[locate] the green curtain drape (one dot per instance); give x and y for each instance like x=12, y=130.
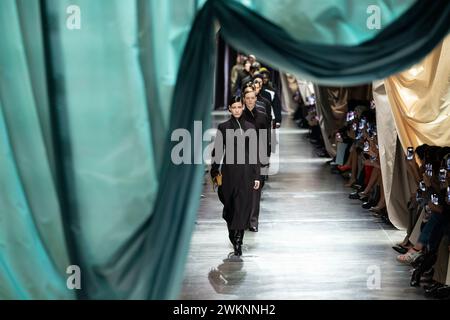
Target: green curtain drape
x=396, y=47
x=86, y=117
x=328, y=22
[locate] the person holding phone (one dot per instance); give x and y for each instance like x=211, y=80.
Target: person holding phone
x=235, y=158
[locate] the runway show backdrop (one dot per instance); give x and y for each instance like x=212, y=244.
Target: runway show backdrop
x=86, y=118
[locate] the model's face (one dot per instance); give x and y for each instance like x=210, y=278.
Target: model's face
x=250, y=99
x=236, y=109
x=257, y=84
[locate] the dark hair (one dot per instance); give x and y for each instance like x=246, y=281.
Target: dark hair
x=245, y=91
x=234, y=99
x=421, y=150
x=432, y=154
x=443, y=151
x=258, y=75
x=245, y=85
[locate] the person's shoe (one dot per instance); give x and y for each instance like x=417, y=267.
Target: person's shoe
x=407, y=245
x=400, y=249
x=253, y=229
x=430, y=290
x=344, y=168
x=364, y=199
x=415, y=278
x=442, y=293
x=346, y=175
x=356, y=186
x=367, y=205
x=375, y=209
x=354, y=195
x=409, y=257
x=362, y=194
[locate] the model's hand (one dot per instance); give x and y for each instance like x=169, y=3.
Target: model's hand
x=256, y=186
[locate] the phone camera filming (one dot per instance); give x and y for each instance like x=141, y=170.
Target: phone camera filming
x=350, y=116
x=434, y=199
x=429, y=169
x=366, y=146
x=419, y=197
x=362, y=123
x=410, y=153
x=442, y=175
x=422, y=186
x=448, y=194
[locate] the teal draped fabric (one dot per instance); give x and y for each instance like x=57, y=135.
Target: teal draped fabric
x=328, y=22
x=396, y=47
x=86, y=118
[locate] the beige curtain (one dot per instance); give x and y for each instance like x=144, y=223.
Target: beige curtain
x=331, y=105
x=420, y=100
x=288, y=88
x=412, y=108
x=392, y=162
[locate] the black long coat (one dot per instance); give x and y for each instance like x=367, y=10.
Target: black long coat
x=260, y=120
x=238, y=179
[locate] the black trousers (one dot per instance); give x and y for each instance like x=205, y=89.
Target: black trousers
x=256, y=199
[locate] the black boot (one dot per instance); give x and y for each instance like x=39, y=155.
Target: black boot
x=238, y=239
x=431, y=290
x=442, y=293
x=231, y=236
x=427, y=263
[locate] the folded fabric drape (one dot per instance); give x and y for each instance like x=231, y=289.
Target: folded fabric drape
x=335, y=22
x=86, y=171
x=392, y=50
x=396, y=182
x=420, y=100
x=413, y=108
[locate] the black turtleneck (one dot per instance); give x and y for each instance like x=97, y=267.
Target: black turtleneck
x=256, y=117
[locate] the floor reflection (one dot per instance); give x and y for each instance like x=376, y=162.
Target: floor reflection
x=228, y=276
x=313, y=242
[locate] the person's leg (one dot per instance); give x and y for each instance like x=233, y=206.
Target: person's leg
x=348, y=163
x=440, y=269
x=353, y=164
x=372, y=180
x=427, y=232
x=254, y=217
x=381, y=203
x=231, y=234
x=437, y=232
x=238, y=240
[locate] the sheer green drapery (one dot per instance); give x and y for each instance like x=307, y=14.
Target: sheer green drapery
x=329, y=22
x=86, y=173
x=33, y=253
x=396, y=47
